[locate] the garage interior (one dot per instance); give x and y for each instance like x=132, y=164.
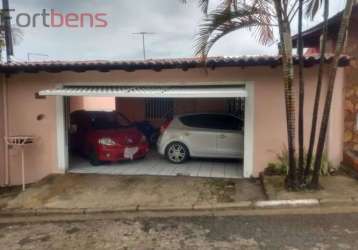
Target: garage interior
x=145, y=105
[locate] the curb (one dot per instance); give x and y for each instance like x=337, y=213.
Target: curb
x=338, y=202
x=133, y=209
x=244, y=205
x=287, y=203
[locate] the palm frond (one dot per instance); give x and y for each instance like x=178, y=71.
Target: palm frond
x=17, y=35
x=222, y=21
x=204, y=4
x=312, y=8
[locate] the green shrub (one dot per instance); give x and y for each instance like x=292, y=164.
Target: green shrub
x=280, y=165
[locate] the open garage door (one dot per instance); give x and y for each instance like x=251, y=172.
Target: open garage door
x=184, y=97
x=148, y=92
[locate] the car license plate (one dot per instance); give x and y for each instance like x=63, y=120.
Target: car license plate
x=130, y=152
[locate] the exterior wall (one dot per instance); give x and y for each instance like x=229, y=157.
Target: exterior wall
x=351, y=111
x=23, y=109
x=133, y=109
x=92, y=103
x=269, y=116
x=270, y=124
x=77, y=103
x=336, y=128
x=351, y=92
x=2, y=134
x=183, y=106
x=350, y=87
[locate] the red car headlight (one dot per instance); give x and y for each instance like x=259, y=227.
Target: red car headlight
x=106, y=141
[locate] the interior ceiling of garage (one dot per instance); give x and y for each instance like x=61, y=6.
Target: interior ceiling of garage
x=148, y=92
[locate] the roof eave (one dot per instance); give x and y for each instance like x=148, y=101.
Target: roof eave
x=158, y=65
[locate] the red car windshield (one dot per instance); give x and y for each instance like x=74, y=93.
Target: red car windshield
x=101, y=124
x=108, y=121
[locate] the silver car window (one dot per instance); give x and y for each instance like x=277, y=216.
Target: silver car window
x=212, y=121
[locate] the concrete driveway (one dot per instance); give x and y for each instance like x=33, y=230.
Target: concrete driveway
x=155, y=165
x=76, y=191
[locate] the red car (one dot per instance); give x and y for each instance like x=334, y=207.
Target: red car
x=100, y=137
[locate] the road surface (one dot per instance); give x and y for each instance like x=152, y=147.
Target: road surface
x=319, y=232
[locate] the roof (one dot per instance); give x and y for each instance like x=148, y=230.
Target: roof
x=156, y=64
x=312, y=35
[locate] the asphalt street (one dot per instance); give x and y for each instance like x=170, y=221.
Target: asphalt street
x=305, y=231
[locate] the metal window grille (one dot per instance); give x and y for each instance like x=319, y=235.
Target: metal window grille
x=236, y=106
x=159, y=108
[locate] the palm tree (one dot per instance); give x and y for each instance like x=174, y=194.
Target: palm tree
x=283, y=19
x=301, y=95
x=340, y=45
x=260, y=16
x=17, y=36
x=311, y=12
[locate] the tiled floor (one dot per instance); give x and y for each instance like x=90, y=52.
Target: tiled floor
x=154, y=164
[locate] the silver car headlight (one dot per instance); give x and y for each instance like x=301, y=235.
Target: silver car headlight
x=106, y=141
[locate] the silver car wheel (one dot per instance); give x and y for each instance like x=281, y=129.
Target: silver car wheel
x=177, y=153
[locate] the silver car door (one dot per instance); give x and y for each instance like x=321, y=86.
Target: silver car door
x=230, y=138
x=200, y=137
x=202, y=141
x=230, y=144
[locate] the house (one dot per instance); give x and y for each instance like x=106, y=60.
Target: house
x=312, y=43
x=35, y=99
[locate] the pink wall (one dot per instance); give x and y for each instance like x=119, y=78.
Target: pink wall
x=23, y=110
x=269, y=134
x=336, y=128
x=93, y=103
x=2, y=146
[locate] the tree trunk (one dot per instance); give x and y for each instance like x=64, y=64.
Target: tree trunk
x=318, y=92
x=301, y=97
x=288, y=73
x=342, y=35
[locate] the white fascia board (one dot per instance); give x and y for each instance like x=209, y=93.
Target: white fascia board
x=157, y=92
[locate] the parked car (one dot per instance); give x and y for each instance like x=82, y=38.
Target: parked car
x=100, y=137
x=149, y=131
x=201, y=135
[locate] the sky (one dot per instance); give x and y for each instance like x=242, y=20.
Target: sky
x=173, y=23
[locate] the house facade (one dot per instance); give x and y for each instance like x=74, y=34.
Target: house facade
x=34, y=99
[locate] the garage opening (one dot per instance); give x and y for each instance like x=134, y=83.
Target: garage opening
x=171, y=131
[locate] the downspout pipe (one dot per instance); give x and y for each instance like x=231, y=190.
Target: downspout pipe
x=6, y=131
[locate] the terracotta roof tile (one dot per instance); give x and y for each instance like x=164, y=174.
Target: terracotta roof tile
x=156, y=64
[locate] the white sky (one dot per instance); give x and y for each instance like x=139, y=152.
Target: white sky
x=175, y=26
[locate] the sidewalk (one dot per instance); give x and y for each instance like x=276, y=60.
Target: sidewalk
x=89, y=194
x=337, y=190
x=94, y=192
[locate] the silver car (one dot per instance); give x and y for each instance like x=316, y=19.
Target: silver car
x=204, y=135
